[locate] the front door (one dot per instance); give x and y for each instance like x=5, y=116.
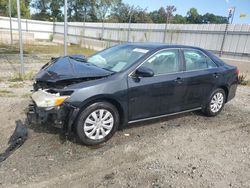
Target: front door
x=161, y=94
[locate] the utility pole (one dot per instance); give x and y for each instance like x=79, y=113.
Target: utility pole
x=65, y=26
x=11, y=34
x=102, y=29
x=20, y=37
x=230, y=15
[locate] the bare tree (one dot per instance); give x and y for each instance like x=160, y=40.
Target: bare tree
x=169, y=13
x=169, y=16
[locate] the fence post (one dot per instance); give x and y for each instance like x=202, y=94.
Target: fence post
x=102, y=30
x=84, y=24
x=20, y=36
x=65, y=26
x=54, y=26
x=26, y=25
x=11, y=34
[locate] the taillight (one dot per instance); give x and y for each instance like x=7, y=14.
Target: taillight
x=237, y=71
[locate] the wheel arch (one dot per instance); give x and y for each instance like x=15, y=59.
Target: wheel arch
x=121, y=110
x=226, y=90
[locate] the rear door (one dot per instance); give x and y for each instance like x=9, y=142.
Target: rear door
x=201, y=76
x=163, y=93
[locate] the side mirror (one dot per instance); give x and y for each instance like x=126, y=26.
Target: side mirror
x=144, y=72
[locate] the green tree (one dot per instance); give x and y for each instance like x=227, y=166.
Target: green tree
x=42, y=9
x=79, y=10
x=103, y=7
x=193, y=16
x=3, y=7
x=48, y=10
x=120, y=13
x=141, y=16
x=24, y=7
x=179, y=19
x=55, y=9
x=211, y=18
x=158, y=16
x=106, y=10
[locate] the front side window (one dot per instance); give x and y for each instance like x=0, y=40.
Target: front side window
x=196, y=60
x=163, y=62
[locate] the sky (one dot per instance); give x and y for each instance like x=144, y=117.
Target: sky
x=217, y=7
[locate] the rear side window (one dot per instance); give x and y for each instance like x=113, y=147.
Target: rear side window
x=196, y=60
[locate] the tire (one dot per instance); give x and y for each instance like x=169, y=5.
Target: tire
x=92, y=129
x=215, y=103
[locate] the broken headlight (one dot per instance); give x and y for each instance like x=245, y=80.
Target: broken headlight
x=47, y=98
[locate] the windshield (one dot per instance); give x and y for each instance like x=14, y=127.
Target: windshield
x=117, y=58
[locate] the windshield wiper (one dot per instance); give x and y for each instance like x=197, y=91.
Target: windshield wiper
x=108, y=70
x=79, y=58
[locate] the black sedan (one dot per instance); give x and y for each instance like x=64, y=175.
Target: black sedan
x=129, y=83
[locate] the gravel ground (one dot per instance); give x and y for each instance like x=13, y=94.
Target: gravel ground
x=188, y=150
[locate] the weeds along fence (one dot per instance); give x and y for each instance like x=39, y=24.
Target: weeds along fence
x=232, y=40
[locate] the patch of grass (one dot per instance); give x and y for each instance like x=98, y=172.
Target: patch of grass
x=45, y=49
x=7, y=49
x=51, y=36
x=3, y=91
x=16, y=85
x=16, y=77
x=26, y=95
x=242, y=80
x=6, y=93
x=76, y=49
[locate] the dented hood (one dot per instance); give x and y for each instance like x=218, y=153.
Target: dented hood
x=69, y=67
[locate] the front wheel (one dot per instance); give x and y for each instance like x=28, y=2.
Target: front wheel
x=215, y=103
x=97, y=123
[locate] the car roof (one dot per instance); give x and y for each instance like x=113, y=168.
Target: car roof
x=155, y=46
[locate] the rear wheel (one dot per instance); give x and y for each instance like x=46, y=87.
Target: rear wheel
x=97, y=123
x=215, y=103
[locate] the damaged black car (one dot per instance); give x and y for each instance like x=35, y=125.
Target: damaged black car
x=128, y=83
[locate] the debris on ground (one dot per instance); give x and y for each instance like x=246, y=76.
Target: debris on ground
x=16, y=140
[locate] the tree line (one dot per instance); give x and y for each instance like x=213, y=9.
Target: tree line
x=105, y=11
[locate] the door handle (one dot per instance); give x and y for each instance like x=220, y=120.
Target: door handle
x=216, y=75
x=178, y=80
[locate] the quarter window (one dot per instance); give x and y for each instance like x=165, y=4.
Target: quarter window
x=166, y=61
x=196, y=60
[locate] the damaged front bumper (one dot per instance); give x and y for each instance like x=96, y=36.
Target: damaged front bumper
x=55, y=116
x=60, y=116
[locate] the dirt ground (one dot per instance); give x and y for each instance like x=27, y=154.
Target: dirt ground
x=188, y=150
